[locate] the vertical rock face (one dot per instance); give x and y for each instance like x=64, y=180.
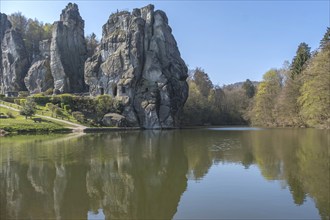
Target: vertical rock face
x=39, y=77
x=68, y=51
x=140, y=64
x=14, y=59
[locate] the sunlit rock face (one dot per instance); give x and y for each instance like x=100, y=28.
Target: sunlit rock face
x=39, y=77
x=139, y=63
x=68, y=51
x=14, y=59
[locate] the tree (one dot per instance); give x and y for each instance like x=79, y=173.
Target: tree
x=91, y=43
x=18, y=21
x=298, y=63
x=263, y=112
x=249, y=88
x=202, y=81
x=29, y=108
x=315, y=91
x=32, y=31
x=325, y=42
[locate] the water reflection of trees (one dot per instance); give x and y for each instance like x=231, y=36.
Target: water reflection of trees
x=297, y=156
x=143, y=174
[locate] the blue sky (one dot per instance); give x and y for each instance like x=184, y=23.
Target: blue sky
x=230, y=40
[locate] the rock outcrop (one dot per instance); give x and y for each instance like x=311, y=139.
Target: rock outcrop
x=14, y=59
x=68, y=51
x=114, y=120
x=39, y=77
x=140, y=64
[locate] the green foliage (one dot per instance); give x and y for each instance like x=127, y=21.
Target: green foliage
x=325, y=42
x=59, y=112
x=22, y=101
x=67, y=108
x=265, y=100
x=40, y=99
x=23, y=94
x=17, y=101
x=29, y=108
x=91, y=43
x=315, y=91
x=202, y=81
x=32, y=31
x=2, y=96
x=249, y=88
x=79, y=116
x=302, y=56
x=55, y=99
x=10, y=114
x=66, y=99
x=104, y=104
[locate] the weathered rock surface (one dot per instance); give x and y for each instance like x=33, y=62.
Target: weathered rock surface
x=14, y=59
x=114, y=120
x=139, y=63
x=39, y=77
x=68, y=51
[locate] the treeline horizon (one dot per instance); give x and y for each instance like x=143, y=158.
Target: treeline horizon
x=295, y=95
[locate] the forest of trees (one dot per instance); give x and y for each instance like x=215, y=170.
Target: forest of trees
x=296, y=95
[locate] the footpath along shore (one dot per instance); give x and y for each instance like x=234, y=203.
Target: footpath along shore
x=78, y=127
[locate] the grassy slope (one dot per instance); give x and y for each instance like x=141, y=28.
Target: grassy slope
x=20, y=124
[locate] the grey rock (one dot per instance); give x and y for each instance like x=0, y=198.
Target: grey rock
x=68, y=51
x=39, y=77
x=14, y=59
x=114, y=120
x=139, y=63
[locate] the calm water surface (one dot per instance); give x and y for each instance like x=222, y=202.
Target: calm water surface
x=184, y=174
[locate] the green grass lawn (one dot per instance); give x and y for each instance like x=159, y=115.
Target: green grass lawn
x=21, y=124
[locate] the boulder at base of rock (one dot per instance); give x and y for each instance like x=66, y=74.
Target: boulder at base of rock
x=114, y=120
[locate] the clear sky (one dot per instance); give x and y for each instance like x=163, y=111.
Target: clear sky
x=230, y=40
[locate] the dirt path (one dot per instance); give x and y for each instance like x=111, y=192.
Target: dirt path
x=75, y=127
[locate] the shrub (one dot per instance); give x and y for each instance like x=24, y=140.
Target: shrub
x=83, y=104
x=59, y=112
x=40, y=99
x=17, y=101
x=49, y=105
x=29, y=108
x=55, y=99
x=10, y=114
x=49, y=91
x=62, y=105
x=66, y=99
x=22, y=101
x=2, y=96
x=78, y=116
x=67, y=108
x=23, y=94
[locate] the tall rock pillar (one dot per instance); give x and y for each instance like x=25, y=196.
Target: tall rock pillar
x=68, y=51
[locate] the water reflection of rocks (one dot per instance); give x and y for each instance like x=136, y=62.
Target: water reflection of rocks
x=143, y=174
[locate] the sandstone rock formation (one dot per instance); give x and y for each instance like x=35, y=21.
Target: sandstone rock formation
x=140, y=64
x=14, y=59
x=39, y=77
x=68, y=51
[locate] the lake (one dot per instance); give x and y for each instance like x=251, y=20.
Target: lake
x=241, y=173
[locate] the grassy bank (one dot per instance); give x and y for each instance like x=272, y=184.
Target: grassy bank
x=19, y=124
